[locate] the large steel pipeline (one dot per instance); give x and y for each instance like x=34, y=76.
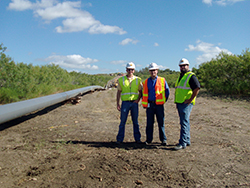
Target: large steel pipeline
x=14, y=110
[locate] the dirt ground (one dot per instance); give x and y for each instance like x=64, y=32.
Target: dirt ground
x=74, y=146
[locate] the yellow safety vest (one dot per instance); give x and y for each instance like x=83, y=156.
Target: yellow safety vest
x=130, y=91
x=183, y=90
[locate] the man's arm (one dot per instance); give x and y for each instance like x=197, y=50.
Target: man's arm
x=167, y=91
x=139, y=97
x=195, y=86
x=140, y=93
x=195, y=93
x=118, y=96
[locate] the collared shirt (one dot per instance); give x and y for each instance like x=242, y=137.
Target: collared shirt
x=151, y=89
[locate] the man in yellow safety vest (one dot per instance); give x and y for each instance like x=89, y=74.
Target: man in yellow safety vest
x=129, y=90
x=187, y=88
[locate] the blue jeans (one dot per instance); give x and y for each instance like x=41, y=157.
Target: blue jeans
x=151, y=111
x=184, y=111
x=125, y=108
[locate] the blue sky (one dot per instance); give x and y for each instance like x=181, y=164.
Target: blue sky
x=101, y=36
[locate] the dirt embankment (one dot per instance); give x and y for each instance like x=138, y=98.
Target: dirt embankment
x=73, y=146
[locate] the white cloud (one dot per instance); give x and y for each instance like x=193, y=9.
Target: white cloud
x=77, y=24
x=221, y=2
x=75, y=19
x=209, y=2
x=161, y=67
x=100, y=28
x=209, y=51
x=227, y=2
x=127, y=41
x=72, y=61
x=156, y=44
x=61, y=10
x=20, y=5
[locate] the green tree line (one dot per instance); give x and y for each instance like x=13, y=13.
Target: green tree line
x=20, y=81
x=226, y=74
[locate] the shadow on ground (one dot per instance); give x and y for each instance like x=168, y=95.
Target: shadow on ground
x=124, y=145
x=24, y=118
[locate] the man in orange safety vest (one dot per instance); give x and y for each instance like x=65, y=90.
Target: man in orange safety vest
x=155, y=94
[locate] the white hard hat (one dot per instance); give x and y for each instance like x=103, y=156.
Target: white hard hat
x=153, y=66
x=130, y=65
x=183, y=61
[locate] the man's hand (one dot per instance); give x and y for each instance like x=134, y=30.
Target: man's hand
x=188, y=101
x=118, y=107
x=136, y=101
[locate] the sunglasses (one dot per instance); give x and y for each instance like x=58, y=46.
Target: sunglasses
x=182, y=65
x=130, y=69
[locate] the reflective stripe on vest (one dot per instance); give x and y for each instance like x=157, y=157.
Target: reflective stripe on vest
x=145, y=94
x=129, y=90
x=182, y=89
x=159, y=92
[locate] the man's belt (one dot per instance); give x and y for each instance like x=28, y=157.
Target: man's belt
x=149, y=101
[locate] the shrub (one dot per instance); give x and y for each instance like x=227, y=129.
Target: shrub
x=226, y=74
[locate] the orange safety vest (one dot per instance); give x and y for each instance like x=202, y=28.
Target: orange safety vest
x=159, y=92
